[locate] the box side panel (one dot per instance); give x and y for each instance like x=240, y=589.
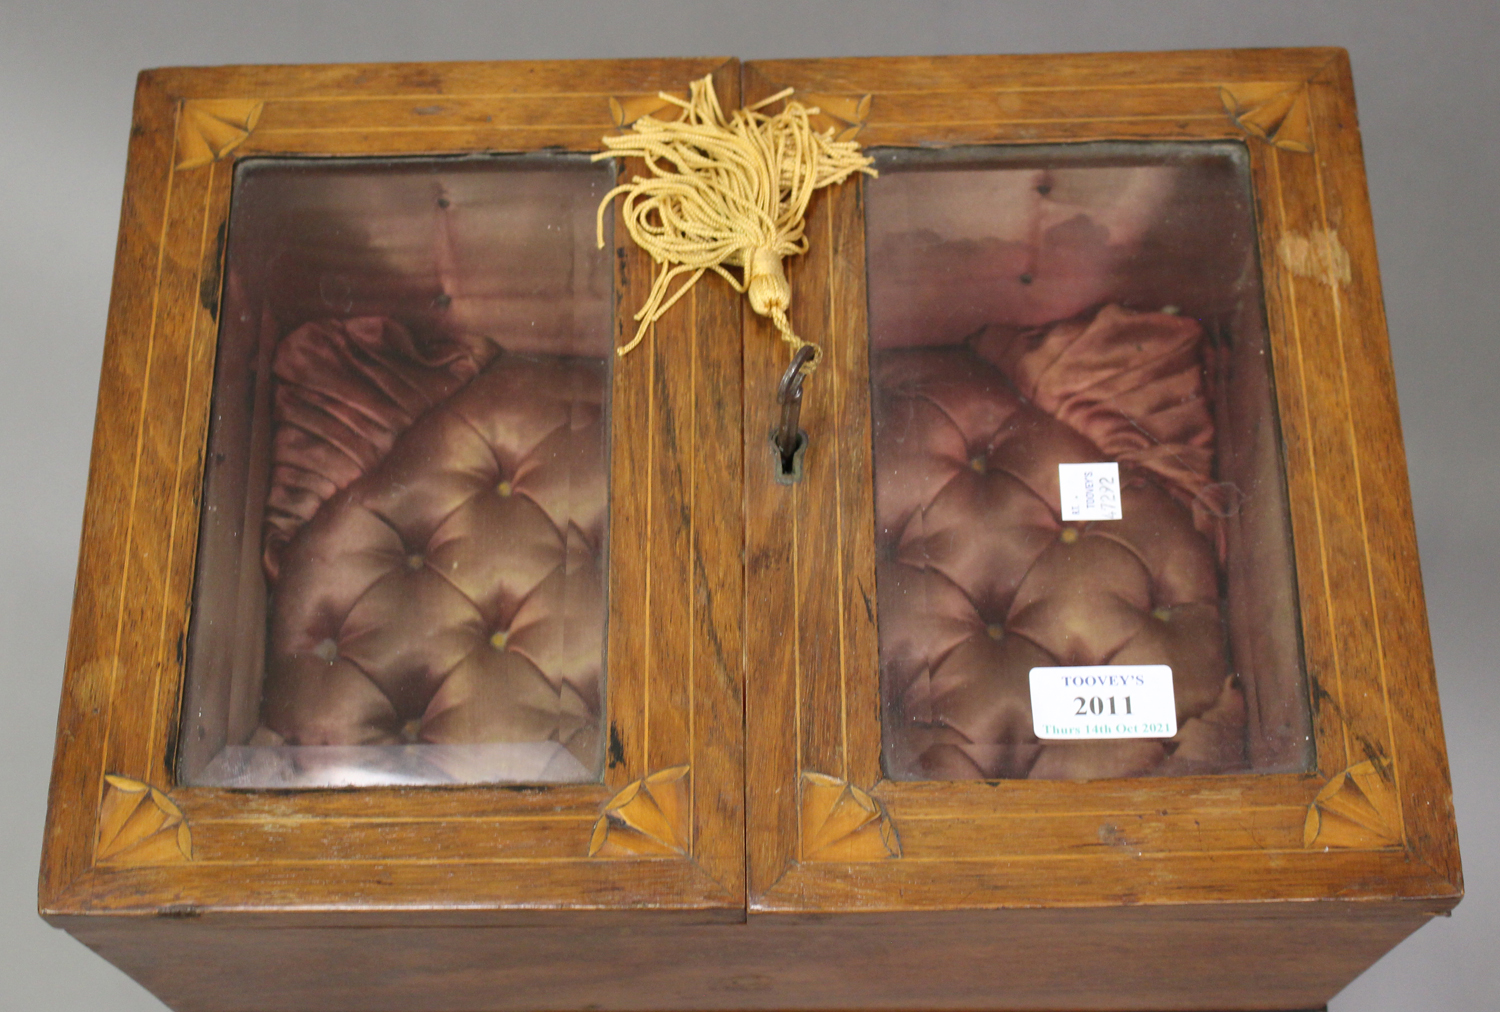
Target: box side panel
x=1288, y=956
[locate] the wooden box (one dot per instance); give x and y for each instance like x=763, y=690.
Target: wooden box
x=740, y=792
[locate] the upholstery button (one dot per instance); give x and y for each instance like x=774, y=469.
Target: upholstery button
x=1025, y=279
x=423, y=562
x=970, y=559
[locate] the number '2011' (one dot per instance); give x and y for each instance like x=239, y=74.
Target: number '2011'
x=1098, y=706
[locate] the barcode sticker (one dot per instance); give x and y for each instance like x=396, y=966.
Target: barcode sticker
x=1103, y=701
x=1090, y=491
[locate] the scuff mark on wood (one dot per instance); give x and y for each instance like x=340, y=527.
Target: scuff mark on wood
x=1319, y=256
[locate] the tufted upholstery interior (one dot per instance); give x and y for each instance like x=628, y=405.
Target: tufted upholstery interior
x=979, y=580
x=999, y=280
x=501, y=248
x=453, y=593
x=960, y=248
x=393, y=306
x=345, y=389
x=400, y=341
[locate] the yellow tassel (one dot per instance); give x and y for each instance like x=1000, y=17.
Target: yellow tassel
x=726, y=193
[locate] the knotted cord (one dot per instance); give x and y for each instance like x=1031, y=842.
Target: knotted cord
x=726, y=193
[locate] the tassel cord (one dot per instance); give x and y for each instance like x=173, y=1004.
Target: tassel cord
x=722, y=194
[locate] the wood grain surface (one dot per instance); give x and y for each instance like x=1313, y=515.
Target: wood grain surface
x=742, y=640
x=1363, y=626
x=675, y=598
x=1140, y=958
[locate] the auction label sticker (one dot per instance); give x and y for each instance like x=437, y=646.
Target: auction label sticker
x=1090, y=491
x=1103, y=701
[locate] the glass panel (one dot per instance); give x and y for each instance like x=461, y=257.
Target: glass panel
x=1098, y=304
x=401, y=566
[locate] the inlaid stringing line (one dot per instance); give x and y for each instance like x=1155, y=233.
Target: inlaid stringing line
x=1290, y=284
x=140, y=439
x=1335, y=293
x=838, y=346
x=187, y=386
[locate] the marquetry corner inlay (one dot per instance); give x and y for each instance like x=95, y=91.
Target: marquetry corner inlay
x=625, y=111
x=138, y=824
x=840, y=822
x=845, y=115
x=1357, y=808
x=649, y=818
x=210, y=128
x=1277, y=113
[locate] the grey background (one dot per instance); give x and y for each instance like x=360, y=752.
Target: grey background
x=1428, y=87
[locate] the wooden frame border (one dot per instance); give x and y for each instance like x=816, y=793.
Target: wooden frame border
x=811, y=634
x=675, y=590
x=927, y=845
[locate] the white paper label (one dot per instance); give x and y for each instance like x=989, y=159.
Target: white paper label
x=1090, y=491
x=1103, y=701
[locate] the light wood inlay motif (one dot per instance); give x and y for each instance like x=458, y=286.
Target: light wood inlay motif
x=138, y=824
x=1357, y=808
x=844, y=114
x=1276, y=113
x=840, y=822
x=210, y=128
x=625, y=111
x=649, y=817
